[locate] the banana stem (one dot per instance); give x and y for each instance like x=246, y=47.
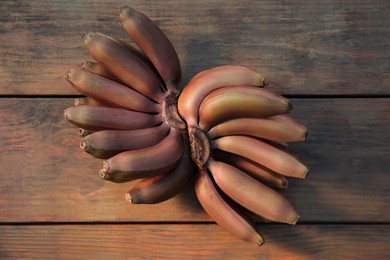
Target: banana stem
x=169, y=110
x=170, y=86
x=200, y=146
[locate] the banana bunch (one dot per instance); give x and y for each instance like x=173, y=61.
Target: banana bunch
x=238, y=133
x=129, y=116
x=148, y=133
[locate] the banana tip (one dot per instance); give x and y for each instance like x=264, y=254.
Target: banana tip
x=84, y=35
x=84, y=64
x=105, y=167
x=260, y=242
x=83, y=144
x=124, y=8
x=81, y=132
x=305, y=135
x=69, y=74
x=305, y=173
x=285, y=184
x=87, y=36
x=66, y=113
x=102, y=174
x=259, y=239
x=290, y=106
x=128, y=198
x=77, y=102
x=125, y=11
x=295, y=220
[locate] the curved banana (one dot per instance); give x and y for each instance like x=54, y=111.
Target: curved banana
x=239, y=101
x=100, y=118
x=253, y=169
x=251, y=194
x=108, y=91
x=154, y=43
x=124, y=64
x=160, y=188
x=147, y=162
x=276, y=128
x=209, y=80
x=107, y=143
x=98, y=69
x=136, y=51
x=262, y=153
x=223, y=212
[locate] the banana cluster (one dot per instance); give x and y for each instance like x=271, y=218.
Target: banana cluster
x=128, y=115
x=224, y=122
x=238, y=131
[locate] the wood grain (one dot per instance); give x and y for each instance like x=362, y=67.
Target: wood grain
x=332, y=47
x=46, y=177
x=189, y=242
x=53, y=205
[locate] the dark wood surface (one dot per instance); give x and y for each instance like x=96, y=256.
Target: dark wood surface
x=302, y=47
x=331, y=59
x=184, y=241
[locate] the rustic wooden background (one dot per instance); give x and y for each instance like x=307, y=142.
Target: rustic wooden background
x=331, y=58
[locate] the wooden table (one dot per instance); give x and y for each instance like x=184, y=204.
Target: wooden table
x=331, y=59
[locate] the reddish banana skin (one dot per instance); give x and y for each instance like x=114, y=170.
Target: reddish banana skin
x=253, y=169
x=262, y=153
x=161, y=188
x=154, y=43
x=269, y=94
x=289, y=120
x=98, y=69
x=102, y=118
x=252, y=194
x=111, y=92
x=155, y=160
x=139, y=54
x=209, y=80
x=107, y=143
x=233, y=102
x=276, y=129
x=224, y=213
x=124, y=64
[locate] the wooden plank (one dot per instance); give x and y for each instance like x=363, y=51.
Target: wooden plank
x=193, y=242
x=46, y=177
x=332, y=47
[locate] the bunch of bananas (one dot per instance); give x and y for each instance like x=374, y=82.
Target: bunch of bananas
x=224, y=122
